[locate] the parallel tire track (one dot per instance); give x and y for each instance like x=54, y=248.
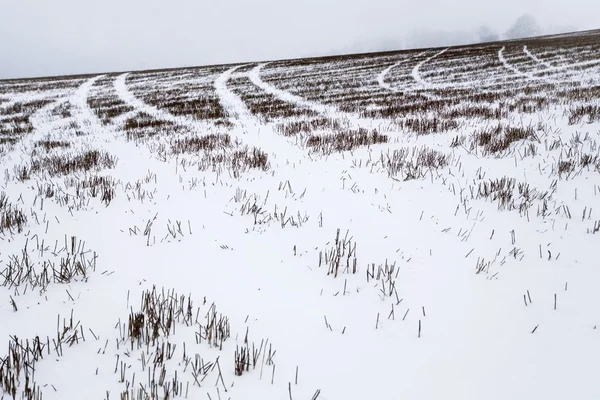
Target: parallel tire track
x=416, y=74
x=244, y=130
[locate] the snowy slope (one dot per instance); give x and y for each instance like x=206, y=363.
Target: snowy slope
x=411, y=225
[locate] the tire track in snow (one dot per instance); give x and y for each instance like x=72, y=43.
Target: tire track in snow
x=231, y=102
x=383, y=74
x=381, y=78
x=564, y=67
x=79, y=100
x=417, y=75
x=250, y=135
x=286, y=96
x=472, y=84
x=536, y=59
x=250, y=126
x=517, y=71
x=320, y=108
x=329, y=173
x=433, y=86
x=140, y=106
x=133, y=160
x=43, y=125
x=552, y=68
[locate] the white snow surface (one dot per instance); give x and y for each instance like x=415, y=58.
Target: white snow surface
x=524, y=328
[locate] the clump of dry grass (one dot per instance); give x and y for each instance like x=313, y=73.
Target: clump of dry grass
x=344, y=141
x=12, y=218
x=26, y=108
x=413, y=164
x=236, y=162
x=577, y=114
x=8, y=141
x=427, y=126
x=246, y=356
x=200, y=143
x=340, y=256
x=263, y=105
x=94, y=186
x=80, y=189
x=160, y=313
x=576, y=160
x=17, y=368
x=18, y=124
x=64, y=164
x=500, y=190
x=72, y=263
x=510, y=194
x=108, y=106
x=565, y=167
x=294, y=128
x=458, y=141
x=249, y=159
x=50, y=145
x=144, y=121
x=476, y=111
x=143, y=125
x=146, y=337
x=497, y=139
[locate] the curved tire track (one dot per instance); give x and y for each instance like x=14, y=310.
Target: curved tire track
x=417, y=75
x=248, y=128
x=286, y=96
x=231, y=102
x=248, y=134
x=44, y=123
x=130, y=99
x=517, y=71
x=432, y=86
x=536, y=59
x=383, y=74
x=580, y=75
x=79, y=100
x=320, y=108
x=381, y=78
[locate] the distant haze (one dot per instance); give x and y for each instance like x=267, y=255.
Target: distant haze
x=42, y=38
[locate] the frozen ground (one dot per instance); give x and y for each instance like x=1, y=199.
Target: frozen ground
x=412, y=225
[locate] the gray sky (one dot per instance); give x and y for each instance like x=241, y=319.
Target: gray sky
x=42, y=37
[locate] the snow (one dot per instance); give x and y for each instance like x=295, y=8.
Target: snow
x=442, y=330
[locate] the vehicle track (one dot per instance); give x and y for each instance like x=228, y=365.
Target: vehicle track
x=381, y=77
x=416, y=74
x=320, y=108
x=536, y=59
x=244, y=129
x=517, y=71
x=286, y=96
x=491, y=81
x=87, y=118
x=129, y=98
x=578, y=75
x=231, y=102
x=43, y=124
x=428, y=85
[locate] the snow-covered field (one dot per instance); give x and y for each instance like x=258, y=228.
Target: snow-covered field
x=414, y=225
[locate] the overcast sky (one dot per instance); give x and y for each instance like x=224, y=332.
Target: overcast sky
x=52, y=37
